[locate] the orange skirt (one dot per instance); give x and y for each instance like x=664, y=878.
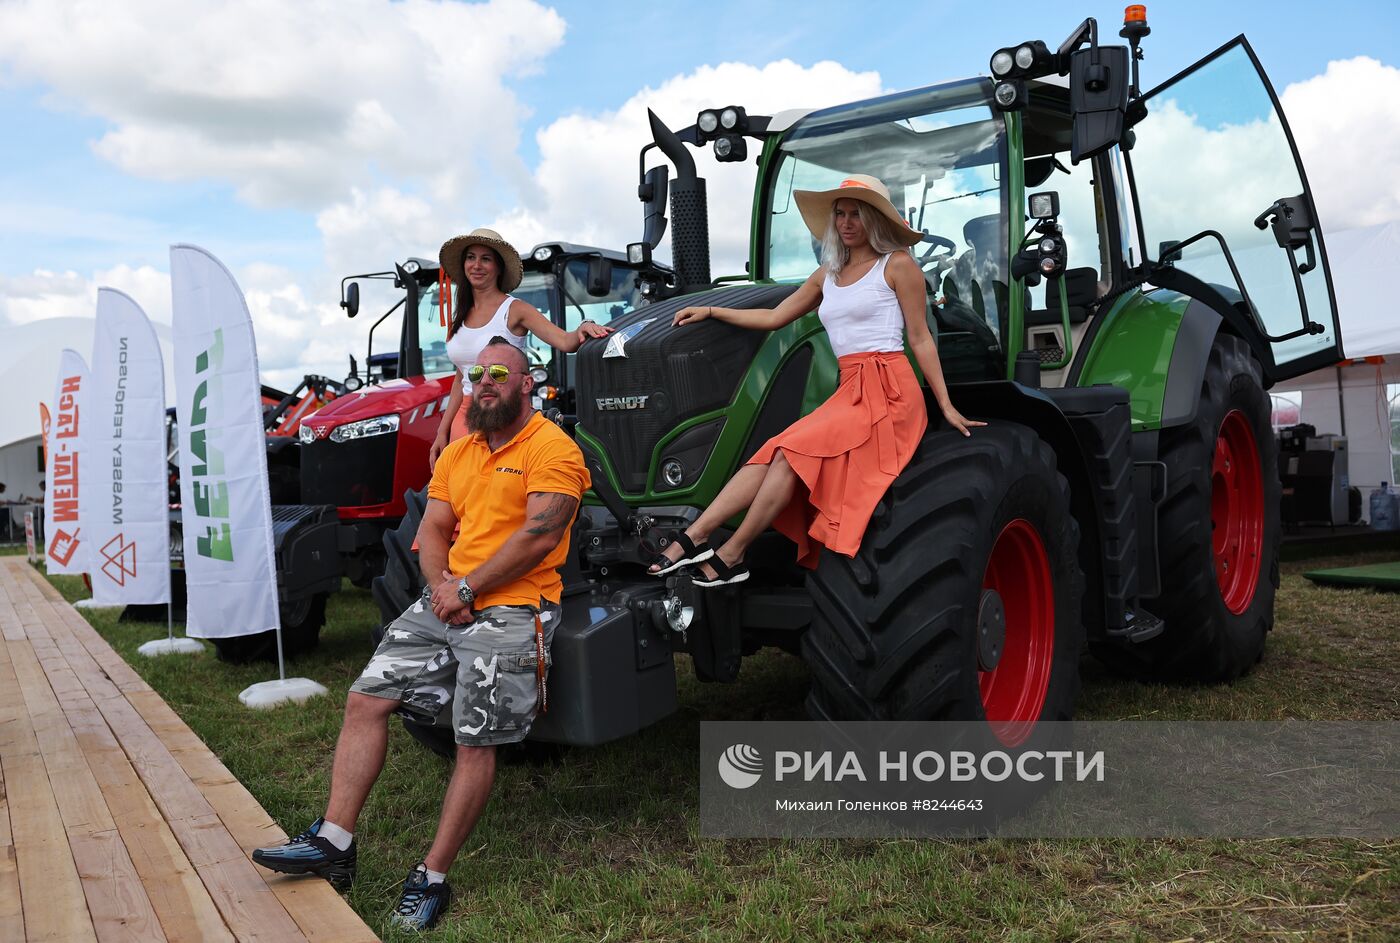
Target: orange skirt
x=847, y=452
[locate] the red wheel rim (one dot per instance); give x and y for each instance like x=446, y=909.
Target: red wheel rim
x=1013, y=692
x=1236, y=512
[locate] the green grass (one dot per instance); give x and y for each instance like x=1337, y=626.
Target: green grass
x=605, y=846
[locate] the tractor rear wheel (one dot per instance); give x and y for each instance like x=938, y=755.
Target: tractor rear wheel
x=1218, y=531
x=965, y=599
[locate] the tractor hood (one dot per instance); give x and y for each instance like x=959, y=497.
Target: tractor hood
x=413, y=399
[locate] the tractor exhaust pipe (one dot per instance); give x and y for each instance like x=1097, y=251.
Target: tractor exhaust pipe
x=690, y=211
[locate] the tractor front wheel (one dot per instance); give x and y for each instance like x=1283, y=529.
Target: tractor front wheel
x=965, y=599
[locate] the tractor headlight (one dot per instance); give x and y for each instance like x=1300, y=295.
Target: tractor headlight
x=1006, y=94
x=306, y=435
x=728, y=119
x=1025, y=57
x=1047, y=245
x=1002, y=63
x=672, y=472
x=543, y=253
x=365, y=428
x=707, y=122
x=1048, y=266
x=539, y=374
x=411, y=267
x=722, y=147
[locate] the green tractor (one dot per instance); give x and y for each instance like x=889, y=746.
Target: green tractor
x=1114, y=280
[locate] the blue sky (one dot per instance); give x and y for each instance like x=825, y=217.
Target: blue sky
x=93, y=187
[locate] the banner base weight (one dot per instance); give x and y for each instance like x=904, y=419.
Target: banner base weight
x=267, y=694
x=170, y=646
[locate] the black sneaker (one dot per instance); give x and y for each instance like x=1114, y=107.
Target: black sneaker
x=308, y=853
x=422, y=904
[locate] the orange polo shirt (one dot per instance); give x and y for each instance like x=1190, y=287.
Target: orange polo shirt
x=487, y=491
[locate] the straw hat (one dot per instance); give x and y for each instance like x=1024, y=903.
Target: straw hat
x=816, y=206
x=450, y=257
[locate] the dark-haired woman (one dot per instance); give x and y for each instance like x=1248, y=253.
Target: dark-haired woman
x=485, y=268
x=818, y=481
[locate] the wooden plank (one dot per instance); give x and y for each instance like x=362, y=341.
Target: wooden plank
x=48, y=878
x=178, y=898
x=230, y=877
x=11, y=629
x=11, y=911
x=120, y=909
x=316, y=908
x=116, y=898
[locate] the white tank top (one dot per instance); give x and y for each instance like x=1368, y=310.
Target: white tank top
x=464, y=346
x=863, y=316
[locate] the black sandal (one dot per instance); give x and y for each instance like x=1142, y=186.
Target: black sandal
x=690, y=553
x=724, y=574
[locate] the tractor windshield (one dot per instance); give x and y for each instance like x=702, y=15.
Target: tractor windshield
x=941, y=152
x=432, y=332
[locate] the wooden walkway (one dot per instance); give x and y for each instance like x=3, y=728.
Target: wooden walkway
x=116, y=822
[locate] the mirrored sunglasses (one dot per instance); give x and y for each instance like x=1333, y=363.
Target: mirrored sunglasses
x=498, y=372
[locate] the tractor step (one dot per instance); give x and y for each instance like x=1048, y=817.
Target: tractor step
x=1141, y=626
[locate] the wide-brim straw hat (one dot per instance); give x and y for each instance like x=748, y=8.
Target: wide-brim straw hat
x=815, y=206
x=450, y=257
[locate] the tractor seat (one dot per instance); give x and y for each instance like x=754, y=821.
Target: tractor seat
x=1081, y=290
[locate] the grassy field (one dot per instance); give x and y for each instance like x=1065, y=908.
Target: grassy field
x=604, y=844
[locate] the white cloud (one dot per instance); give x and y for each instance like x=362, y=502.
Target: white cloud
x=1350, y=147
x=294, y=103
x=586, y=181
x=46, y=294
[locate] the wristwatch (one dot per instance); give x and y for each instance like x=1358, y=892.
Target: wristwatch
x=465, y=592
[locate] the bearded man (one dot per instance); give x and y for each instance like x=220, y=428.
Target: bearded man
x=476, y=645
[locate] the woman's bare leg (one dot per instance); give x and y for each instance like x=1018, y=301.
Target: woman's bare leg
x=734, y=497
x=773, y=495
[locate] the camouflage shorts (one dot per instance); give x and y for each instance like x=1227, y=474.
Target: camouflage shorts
x=480, y=677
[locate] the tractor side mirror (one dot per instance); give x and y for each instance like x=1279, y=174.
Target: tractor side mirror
x=1098, y=97
x=599, y=277
x=351, y=304
x=652, y=193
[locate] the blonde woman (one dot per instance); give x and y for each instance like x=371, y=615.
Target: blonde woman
x=485, y=268
x=818, y=481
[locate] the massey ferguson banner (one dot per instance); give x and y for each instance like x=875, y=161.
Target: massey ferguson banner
x=126, y=507
x=66, y=545
x=225, y=513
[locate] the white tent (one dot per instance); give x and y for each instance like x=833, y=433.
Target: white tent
x=1353, y=399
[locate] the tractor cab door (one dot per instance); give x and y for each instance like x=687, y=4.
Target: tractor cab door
x=1226, y=212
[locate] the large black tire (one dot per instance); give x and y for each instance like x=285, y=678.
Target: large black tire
x=301, y=632
x=402, y=581
x=894, y=634
x=1204, y=640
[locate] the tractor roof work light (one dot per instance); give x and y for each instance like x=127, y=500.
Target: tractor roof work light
x=411, y=267
x=731, y=148
x=543, y=253
x=1010, y=95
x=717, y=122
x=1045, y=205
x=1025, y=61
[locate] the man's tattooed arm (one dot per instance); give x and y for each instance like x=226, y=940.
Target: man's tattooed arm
x=555, y=516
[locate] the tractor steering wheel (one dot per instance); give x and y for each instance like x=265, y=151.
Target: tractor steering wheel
x=940, y=262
